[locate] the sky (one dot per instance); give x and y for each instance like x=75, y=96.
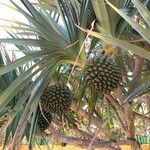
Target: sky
x=7, y=12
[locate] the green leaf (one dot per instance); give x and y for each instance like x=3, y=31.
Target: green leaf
x=68, y=20
x=34, y=98
x=102, y=14
x=34, y=13
x=48, y=5
x=6, y=79
x=123, y=44
x=7, y=135
x=27, y=91
x=16, y=22
x=92, y=102
x=15, y=122
x=143, y=32
x=40, y=22
x=21, y=61
x=27, y=42
x=18, y=84
x=33, y=126
x=19, y=29
x=137, y=92
x=145, y=13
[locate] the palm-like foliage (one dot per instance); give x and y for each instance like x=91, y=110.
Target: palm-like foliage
x=53, y=43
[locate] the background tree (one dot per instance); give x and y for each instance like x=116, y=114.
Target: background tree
x=52, y=40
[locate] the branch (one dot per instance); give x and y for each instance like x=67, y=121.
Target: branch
x=139, y=62
x=113, y=101
x=81, y=133
x=115, y=106
x=119, y=119
x=142, y=116
x=3, y=124
x=129, y=115
x=75, y=130
x=76, y=141
x=104, y=131
x=84, y=143
x=18, y=136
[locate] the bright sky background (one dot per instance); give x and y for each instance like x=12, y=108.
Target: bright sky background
x=7, y=12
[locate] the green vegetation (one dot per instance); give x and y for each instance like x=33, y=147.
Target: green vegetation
x=102, y=99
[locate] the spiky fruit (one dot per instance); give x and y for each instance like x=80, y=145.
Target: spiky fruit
x=44, y=120
x=56, y=99
x=101, y=74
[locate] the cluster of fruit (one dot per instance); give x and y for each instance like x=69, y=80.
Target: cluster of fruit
x=100, y=74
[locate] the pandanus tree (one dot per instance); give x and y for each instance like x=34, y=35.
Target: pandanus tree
x=63, y=90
